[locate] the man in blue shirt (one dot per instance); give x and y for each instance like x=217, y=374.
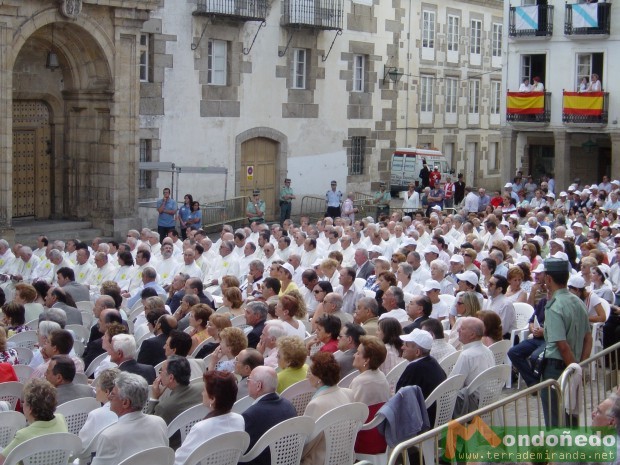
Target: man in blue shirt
x=333, y=198
x=167, y=209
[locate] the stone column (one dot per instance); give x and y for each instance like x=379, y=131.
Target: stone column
x=615, y=154
x=508, y=164
x=562, y=160
x=6, y=135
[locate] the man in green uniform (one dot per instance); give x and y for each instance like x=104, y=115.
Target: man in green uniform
x=382, y=201
x=255, y=211
x=567, y=332
x=286, y=198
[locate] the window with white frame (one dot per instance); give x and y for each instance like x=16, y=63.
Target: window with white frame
x=144, y=179
x=452, y=85
x=426, y=93
x=453, y=33
x=474, y=96
x=300, y=68
x=496, y=39
x=428, y=29
x=475, y=41
x=359, y=68
x=216, y=62
x=358, y=152
x=496, y=89
x=145, y=58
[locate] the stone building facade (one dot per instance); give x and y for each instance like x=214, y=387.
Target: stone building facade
x=69, y=126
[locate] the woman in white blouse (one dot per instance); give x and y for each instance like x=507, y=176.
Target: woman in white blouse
x=101, y=417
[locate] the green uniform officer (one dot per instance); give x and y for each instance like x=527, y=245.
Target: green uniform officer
x=255, y=211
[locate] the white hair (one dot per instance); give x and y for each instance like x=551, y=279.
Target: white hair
x=125, y=343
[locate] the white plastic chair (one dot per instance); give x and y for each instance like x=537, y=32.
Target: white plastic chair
x=346, y=381
x=27, y=339
x=184, y=421
x=224, y=449
x=597, y=338
x=488, y=386
x=33, y=324
x=444, y=397
x=160, y=455
x=369, y=293
x=445, y=323
x=23, y=372
x=499, y=350
x=94, y=364
x=76, y=412
x=447, y=363
x=49, y=449
x=80, y=331
x=523, y=313
x=285, y=441
x=359, y=283
x=238, y=321
x=395, y=373
x=143, y=338
x=10, y=423
x=84, y=305
x=200, y=346
x=11, y=392
x=299, y=394
x=24, y=355
x=87, y=318
x=242, y=405
x=78, y=347
x=340, y=427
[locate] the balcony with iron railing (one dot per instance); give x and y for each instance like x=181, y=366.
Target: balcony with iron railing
x=531, y=21
x=585, y=19
x=244, y=10
x=591, y=108
x=317, y=14
x=528, y=107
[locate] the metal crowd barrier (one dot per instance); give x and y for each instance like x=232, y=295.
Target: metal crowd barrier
x=600, y=376
x=230, y=211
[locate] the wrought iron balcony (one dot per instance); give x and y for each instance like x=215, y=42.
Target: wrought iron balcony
x=244, y=10
x=318, y=14
x=531, y=21
x=587, y=19
x=585, y=107
x=528, y=107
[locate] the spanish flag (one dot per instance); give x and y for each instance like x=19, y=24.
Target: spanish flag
x=583, y=103
x=525, y=103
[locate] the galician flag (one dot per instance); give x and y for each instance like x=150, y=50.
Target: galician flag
x=526, y=17
x=585, y=15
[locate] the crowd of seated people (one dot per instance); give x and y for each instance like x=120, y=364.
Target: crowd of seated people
x=173, y=324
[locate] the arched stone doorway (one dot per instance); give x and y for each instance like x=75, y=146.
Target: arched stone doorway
x=92, y=99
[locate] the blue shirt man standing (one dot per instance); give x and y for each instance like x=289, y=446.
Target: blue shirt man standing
x=167, y=209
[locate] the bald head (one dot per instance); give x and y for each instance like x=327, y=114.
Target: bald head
x=265, y=381
x=471, y=330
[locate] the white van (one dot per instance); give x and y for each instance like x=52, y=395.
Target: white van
x=407, y=163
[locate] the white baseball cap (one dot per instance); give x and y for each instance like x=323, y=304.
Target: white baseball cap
x=456, y=258
x=558, y=242
x=508, y=185
x=468, y=276
x=576, y=281
x=576, y=224
x=431, y=284
x=419, y=337
x=432, y=249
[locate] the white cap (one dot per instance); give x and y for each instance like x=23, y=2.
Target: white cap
x=586, y=191
x=540, y=268
x=509, y=238
x=375, y=249
x=577, y=192
x=529, y=230
x=604, y=269
x=432, y=249
x=594, y=187
x=572, y=187
x=551, y=194
x=617, y=236
x=456, y=258
x=563, y=194
x=539, y=239
x=408, y=241
x=560, y=255
x=288, y=267
x=576, y=224
x=382, y=258
x=419, y=337
x=558, y=242
x=504, y=223
x=468, y=276
x=616, y=182
x=436, y=207
x=430, y=285
x=576, y=281
x=508, y=186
